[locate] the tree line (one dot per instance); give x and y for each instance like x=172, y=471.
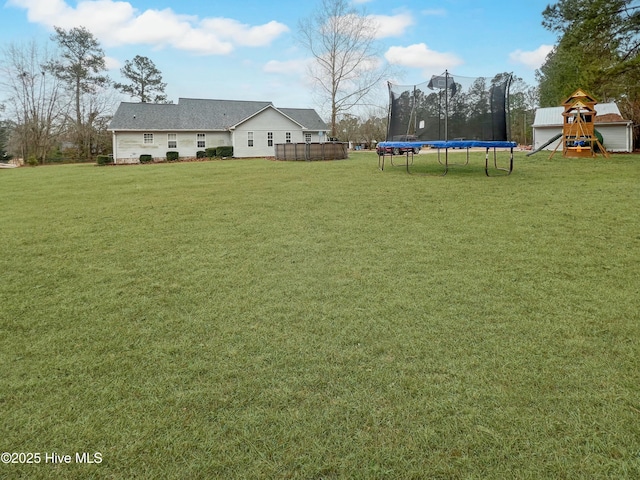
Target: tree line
x=58, y=99
x=597, y=50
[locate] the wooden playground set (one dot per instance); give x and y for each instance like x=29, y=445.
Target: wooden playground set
x=578, y=136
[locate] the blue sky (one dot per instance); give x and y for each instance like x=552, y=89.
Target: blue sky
x=246, y=49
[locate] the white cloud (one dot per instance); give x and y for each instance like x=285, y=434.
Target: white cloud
x=112, y=63
x=391, y=25
x=421, y=56
x=39, y=10
x=289, y=67
x=118, y=23
x=243, y=34
x=532, y=59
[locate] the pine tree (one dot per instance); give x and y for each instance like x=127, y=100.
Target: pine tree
x=145, y=81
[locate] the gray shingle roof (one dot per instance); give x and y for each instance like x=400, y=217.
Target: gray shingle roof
x=307, y=117
x=134, y=116
x=202, y=114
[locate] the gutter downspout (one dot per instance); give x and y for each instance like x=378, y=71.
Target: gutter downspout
x=114, y=147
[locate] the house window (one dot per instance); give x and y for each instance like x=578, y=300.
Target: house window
x=201, y=140
x=270, y=139
x=288, y=137
x=307, y=137
x=250, y=139
x=172, y=141
x=147, y=138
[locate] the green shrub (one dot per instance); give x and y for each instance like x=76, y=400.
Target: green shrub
x=173, y=156
x=224, y=152
x=210, y=152
x=146, y=158
x=201, y=154
x=32, y=161
x=104, y=159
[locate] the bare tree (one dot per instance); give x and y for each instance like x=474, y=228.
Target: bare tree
x=80, y=67
x=99, y=107
x=34, y=100
x=348, y=128
x=369, y=128
x=374, y=126
x=5, y=127
x=347, y=64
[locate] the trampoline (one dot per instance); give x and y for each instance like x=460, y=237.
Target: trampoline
x=432, y=113
x=410, y=147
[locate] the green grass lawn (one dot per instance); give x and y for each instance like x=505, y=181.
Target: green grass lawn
x=324, y=320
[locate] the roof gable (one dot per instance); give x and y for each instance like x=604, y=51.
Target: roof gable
x=256, y=114
x=580, y=95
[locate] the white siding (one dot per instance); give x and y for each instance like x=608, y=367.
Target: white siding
x=128, y=146
x=542, y=135
x=266, y=121
x=616, y=137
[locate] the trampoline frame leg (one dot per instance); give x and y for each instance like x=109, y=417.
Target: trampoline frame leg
x=495, y=162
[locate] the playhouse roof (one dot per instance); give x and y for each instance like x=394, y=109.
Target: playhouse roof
x=581, y=96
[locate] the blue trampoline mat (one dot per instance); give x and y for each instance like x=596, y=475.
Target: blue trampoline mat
x=450, y=144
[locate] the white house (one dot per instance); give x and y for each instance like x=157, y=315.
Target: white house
x=191, y=125
x=617, y=133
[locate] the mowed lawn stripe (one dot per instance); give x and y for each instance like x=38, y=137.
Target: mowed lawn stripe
x=260, y=319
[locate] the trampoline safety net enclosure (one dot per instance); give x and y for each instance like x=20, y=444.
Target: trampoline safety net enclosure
x=450, y=107
x=448, y=112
